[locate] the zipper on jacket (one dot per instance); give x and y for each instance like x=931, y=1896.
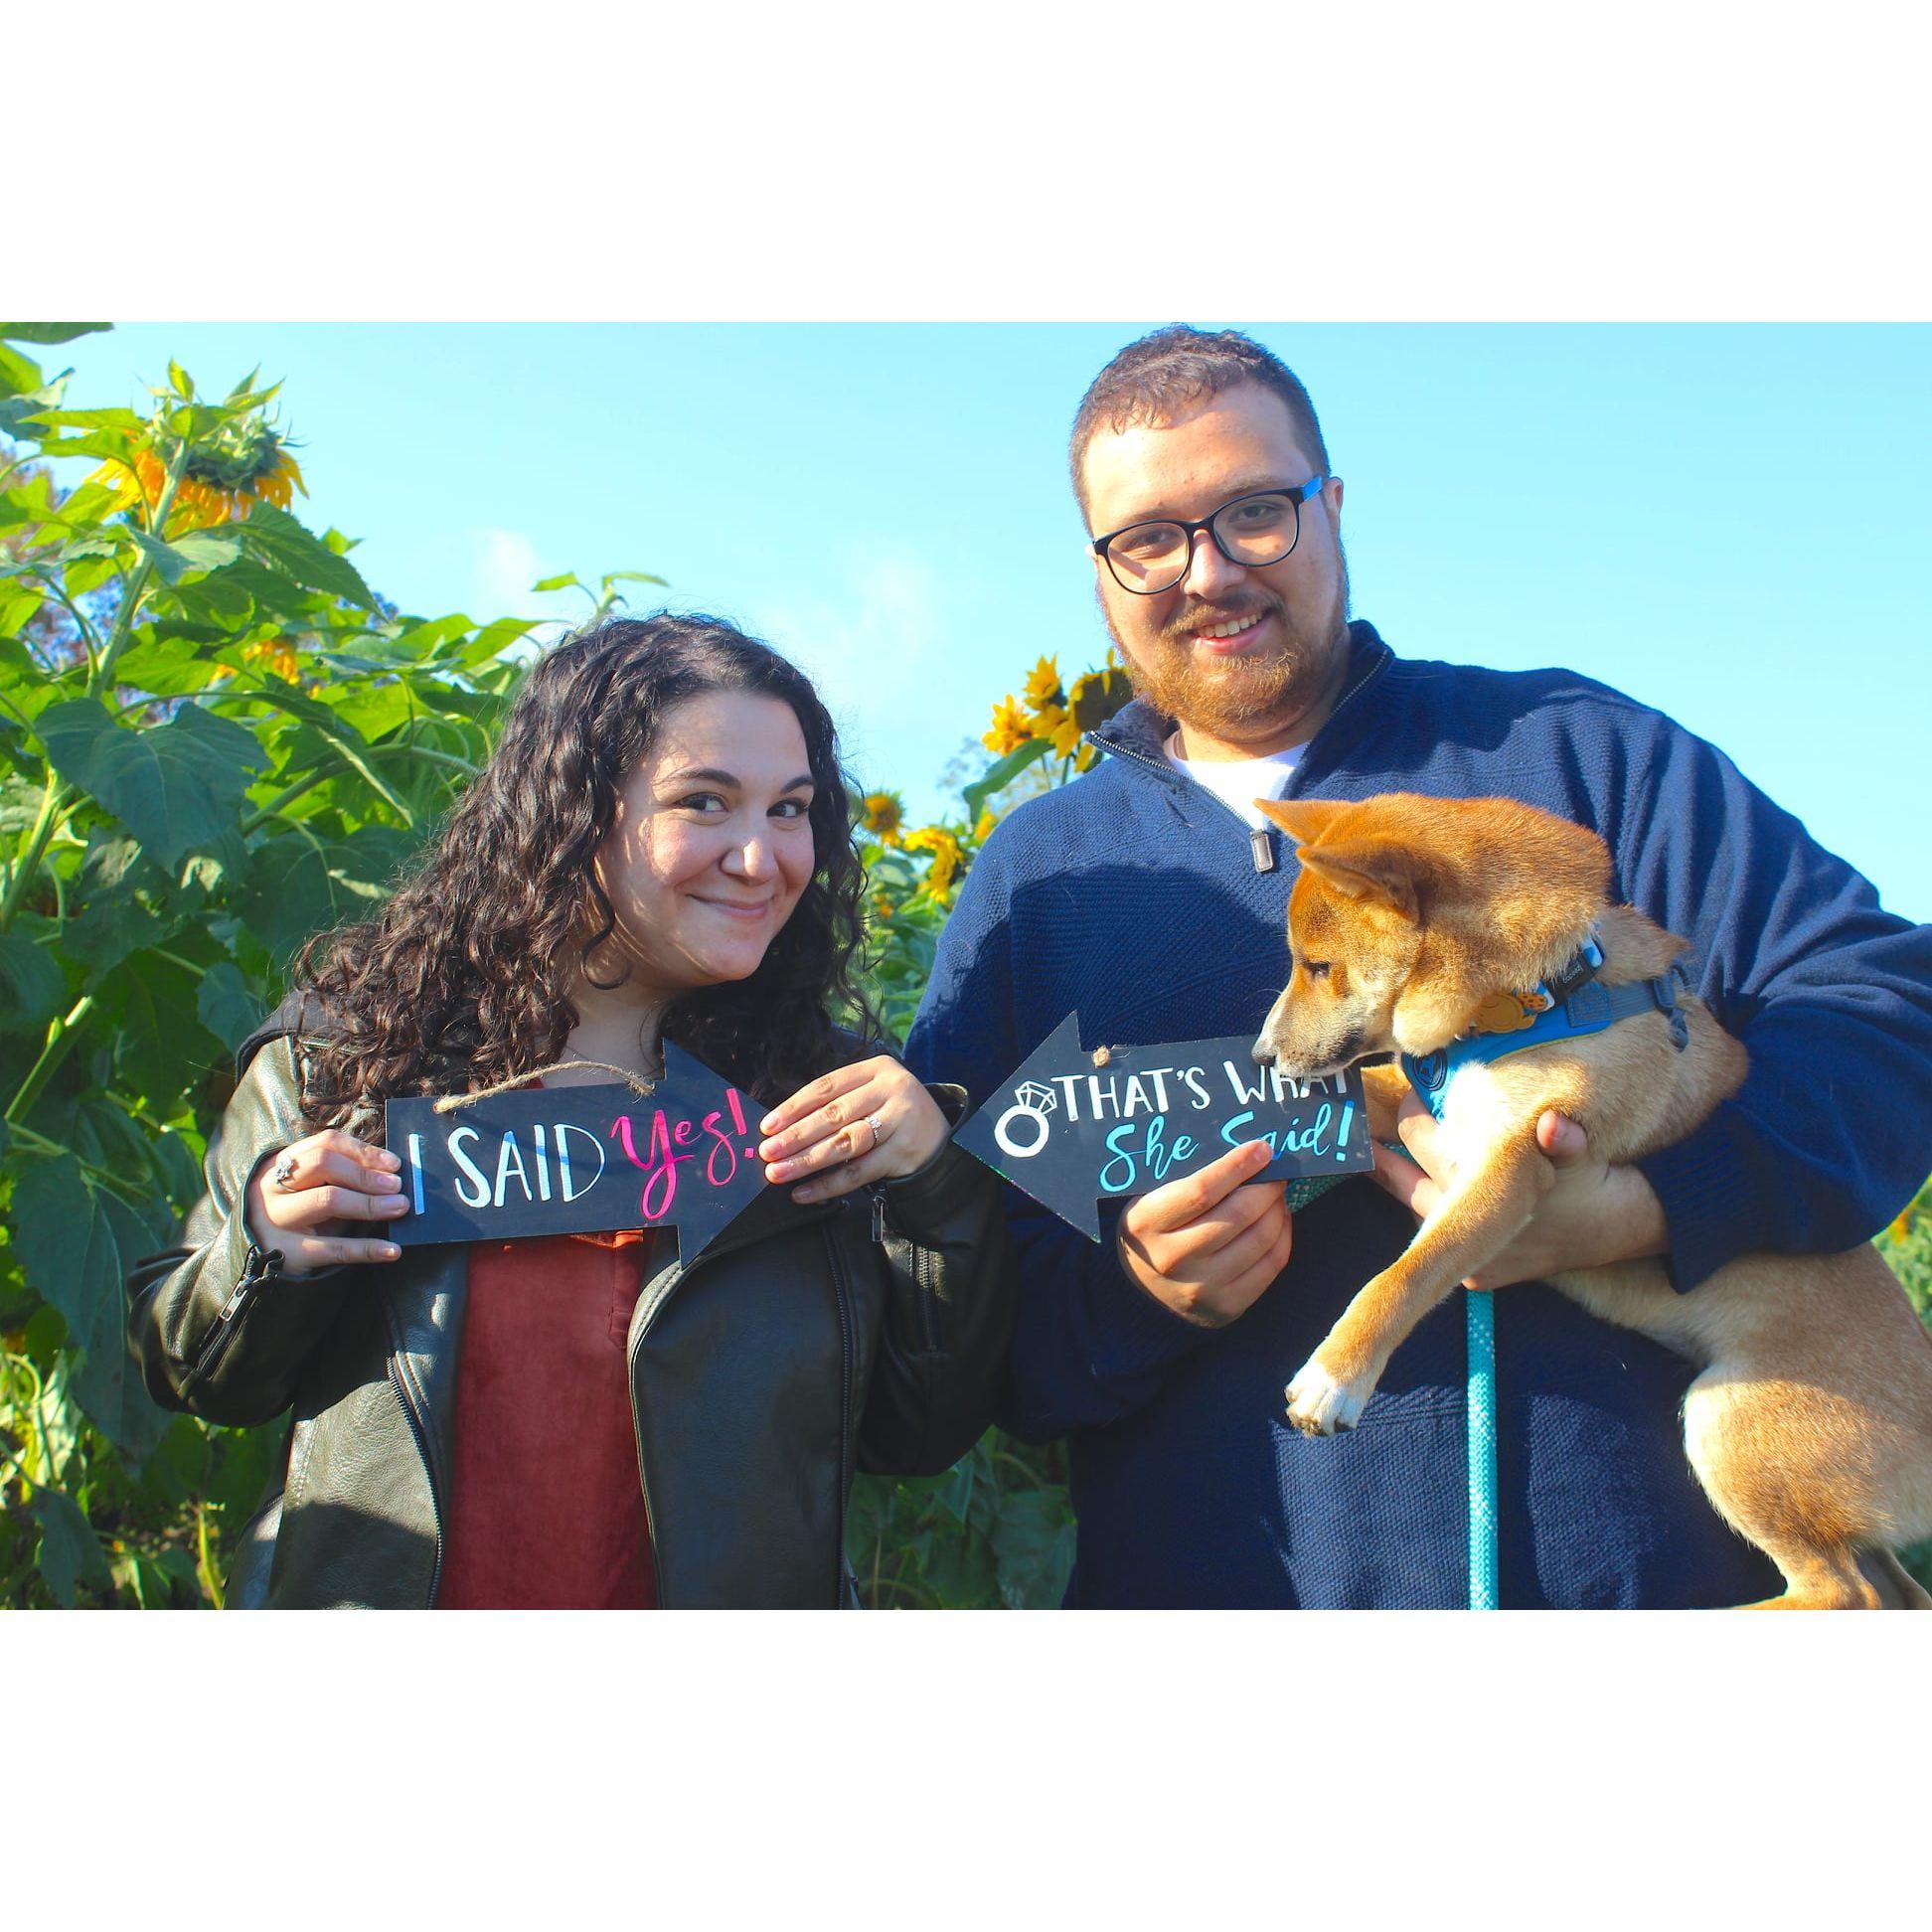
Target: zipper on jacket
x=1260, y=843
x=1361, y=684
x=1260, y=847
x=257, y=1269
x=929, y=1338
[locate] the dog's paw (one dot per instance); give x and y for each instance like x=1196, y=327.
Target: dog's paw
x=1320, y=1405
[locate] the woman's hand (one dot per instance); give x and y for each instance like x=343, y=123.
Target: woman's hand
x=302, y=1203
x=872, y=1121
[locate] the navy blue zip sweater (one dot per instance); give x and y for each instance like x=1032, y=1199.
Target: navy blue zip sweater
x=1132, y=895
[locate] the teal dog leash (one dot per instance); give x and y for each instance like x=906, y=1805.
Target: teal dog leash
x=1479, y=1328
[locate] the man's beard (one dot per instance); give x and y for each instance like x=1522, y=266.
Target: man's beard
x=1227, y=697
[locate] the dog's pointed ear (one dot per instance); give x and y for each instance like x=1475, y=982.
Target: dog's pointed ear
x=1305, y=820
x=1370, y=869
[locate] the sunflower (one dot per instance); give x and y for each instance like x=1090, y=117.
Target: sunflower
x=1060, y=728
x=881, y=815
x=242, y=466
x=1042, y=687
x=1099, y=695
x=275, y=654
x=947, y=858
x=1010, y=729
x=984, y=829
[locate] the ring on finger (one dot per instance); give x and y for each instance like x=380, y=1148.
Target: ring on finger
x=284, y=1171
x=878, y=1131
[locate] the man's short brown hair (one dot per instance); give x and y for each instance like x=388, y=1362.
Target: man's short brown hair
x=1154, y=378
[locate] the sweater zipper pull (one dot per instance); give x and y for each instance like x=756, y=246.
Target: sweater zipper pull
x=878, y=1217
x=1263, y=849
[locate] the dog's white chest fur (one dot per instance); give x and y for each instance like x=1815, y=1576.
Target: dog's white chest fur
x=1479, y=1106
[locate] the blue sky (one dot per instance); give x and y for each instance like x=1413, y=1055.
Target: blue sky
x=1727, y=522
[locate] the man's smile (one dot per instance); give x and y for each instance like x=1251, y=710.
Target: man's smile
x=1224, y=640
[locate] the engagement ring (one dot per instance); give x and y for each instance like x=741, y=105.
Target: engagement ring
x=285, y=1169
x=872, y=1121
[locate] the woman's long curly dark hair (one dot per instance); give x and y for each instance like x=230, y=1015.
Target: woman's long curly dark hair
x=463, y=979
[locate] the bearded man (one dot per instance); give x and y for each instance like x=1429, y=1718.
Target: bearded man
x=1151, y=896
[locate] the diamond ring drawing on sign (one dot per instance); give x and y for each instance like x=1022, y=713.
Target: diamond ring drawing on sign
x=1032, y=1102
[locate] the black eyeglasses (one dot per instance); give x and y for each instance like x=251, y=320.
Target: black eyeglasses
x=1253, y=531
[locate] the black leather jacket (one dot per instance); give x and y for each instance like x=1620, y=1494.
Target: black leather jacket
x=805, y=1343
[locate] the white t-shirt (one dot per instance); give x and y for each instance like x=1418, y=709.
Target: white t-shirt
x=1237, y=782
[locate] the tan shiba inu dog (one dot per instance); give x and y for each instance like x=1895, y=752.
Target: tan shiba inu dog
x=1418, y=921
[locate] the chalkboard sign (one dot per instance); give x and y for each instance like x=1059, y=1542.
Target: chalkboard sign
x=579, y=1160
x=1071, y=1132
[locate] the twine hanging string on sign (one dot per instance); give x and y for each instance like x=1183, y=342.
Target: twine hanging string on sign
x=642, y=1088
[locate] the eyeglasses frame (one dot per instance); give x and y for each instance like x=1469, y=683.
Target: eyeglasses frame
x=1305, y=493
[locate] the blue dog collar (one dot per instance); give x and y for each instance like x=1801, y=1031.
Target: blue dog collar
x=1572, y=1006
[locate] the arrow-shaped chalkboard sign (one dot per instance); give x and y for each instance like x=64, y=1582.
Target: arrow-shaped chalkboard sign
x=1071, y=1132
x=579, y=1159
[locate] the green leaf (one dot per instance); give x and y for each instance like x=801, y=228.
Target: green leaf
x=167, y=666
x=70, y=1552
x=177, y=789
x=109, y=928
x=159, y=1043
x=122, y=419
x=227, y=1005
x=176, y=1168
x=568, y=581
x=282, y=543
x=1002, y=774
x=197, y=550
x=490, y=641
x=633, y=577
x=77, y=1245
x=32, y=985
x=22, y=418
x=1033, y=1543
x=48, y=332
x=20, y=376
x=296, y=888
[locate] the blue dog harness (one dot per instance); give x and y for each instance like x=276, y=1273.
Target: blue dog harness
x=1570, y=1007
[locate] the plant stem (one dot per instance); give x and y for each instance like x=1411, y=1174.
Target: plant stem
x=60, y=1037
x=41, y=1144
x=52, y=799
x=136, y=587
x=259, y=817
x=59, y=792
x=205, y=1567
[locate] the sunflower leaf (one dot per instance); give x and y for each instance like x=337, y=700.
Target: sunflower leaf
x=31, y=984
x=48, y=332
x=177, y=788
x=199, y=550
x=280, y=542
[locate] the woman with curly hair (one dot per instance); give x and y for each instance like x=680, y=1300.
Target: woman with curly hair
x=659, y=850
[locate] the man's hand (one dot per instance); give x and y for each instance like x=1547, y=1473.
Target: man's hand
x=1208, y=1245
x=1594, y=1212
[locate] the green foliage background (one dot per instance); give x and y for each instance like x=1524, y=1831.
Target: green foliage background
x=215, y=739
